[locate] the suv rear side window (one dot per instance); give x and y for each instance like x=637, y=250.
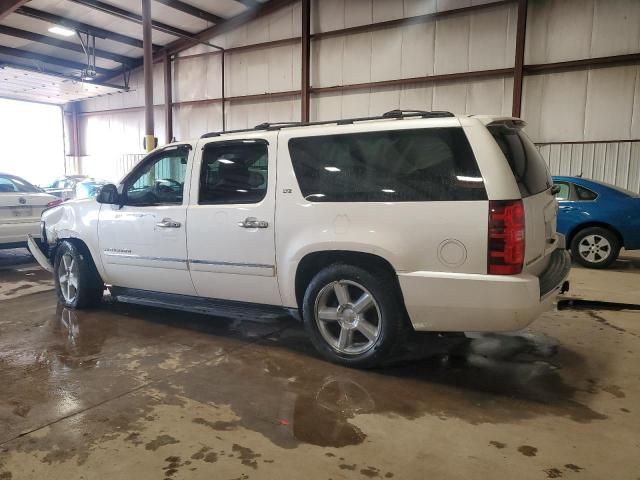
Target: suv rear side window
x=526, y=163
x=390, y=166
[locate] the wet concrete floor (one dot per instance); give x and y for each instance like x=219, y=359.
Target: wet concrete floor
x=135, y=392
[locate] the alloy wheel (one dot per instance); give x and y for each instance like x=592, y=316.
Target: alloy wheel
x=594, y=248
x=348, y=317
x=68, y=277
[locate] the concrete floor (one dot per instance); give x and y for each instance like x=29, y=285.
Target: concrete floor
x=132, y=392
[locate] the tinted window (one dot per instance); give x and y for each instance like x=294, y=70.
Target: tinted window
x=584, y=193
x=398, y=165
x=564, y=192
x=9, y=183
x=525, y=161
x=233, y=172
x=159, y=180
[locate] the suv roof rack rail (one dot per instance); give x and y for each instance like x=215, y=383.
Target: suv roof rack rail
x=390, y=115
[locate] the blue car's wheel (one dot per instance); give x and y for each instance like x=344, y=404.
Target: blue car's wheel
x=595, y=247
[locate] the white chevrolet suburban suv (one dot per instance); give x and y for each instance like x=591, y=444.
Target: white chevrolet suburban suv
x=367, y=228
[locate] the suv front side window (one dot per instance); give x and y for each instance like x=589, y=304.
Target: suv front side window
x=234, y=172
x=159, y=180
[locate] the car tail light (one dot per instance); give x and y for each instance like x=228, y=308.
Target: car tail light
x=505, y=254
x=54, y=203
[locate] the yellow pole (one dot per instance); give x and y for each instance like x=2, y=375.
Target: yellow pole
x=149, y=141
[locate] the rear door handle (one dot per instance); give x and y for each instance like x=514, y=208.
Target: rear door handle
x=168, y=223
x=253, y=222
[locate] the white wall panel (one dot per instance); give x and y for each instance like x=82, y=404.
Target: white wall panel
x=236, y=74
x=635, y=120
x=358, y=12
x=591, y=105
x=187, y=79
x=354, y=104
x=418, y=49
x=386, y=54
x=486, y=96
x=326, y=106
x=492, y=38
x=326, y=62
x=384, y=10
x=491, y=96
x=562, y=107
x=608, y=109
x=383, y=100
x=257, y=71
x=616, y=27
x=247, y=114
x=414, y=8
x=452, y=45
x=450, y=96
x=327, y=15
x=192, y=121
x=356, y=62
x=574, y=29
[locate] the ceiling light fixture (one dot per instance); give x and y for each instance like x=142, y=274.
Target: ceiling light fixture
x=65, y=32
x=332, y=169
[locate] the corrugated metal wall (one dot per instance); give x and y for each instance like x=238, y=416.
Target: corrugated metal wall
x=597, y=104
x=617, y=163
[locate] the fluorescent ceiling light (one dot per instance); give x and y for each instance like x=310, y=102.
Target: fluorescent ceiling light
x=225, y=161
x=332, y=169
x=388, y=190
x=65, y=32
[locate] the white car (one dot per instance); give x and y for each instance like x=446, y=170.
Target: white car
x=368, y=229
x=21, y=205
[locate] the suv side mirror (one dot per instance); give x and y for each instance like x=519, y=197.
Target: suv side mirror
x=108, y=194
x=555, y=189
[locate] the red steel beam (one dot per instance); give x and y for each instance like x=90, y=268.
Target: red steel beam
x=7, y=7
x=582, y=64
x=168, y=99
x=306, y=63
x=148, y=75
x=518, y=70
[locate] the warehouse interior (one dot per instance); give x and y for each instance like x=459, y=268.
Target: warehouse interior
x=128, y=390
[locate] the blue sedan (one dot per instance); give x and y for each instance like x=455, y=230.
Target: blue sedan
x=597, y=219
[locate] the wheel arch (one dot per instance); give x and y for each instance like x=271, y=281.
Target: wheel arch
x=80, y=245
x=313, y=262
x=575, y=230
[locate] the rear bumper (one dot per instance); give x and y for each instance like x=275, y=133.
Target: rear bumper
x=459, y=302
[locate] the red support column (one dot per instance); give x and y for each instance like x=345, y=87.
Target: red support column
x=518, y=72
x=306, y=52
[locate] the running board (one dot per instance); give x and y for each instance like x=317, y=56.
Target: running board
x=220, y=308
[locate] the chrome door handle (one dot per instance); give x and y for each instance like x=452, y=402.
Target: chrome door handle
x=253, y=222
x=168, y=223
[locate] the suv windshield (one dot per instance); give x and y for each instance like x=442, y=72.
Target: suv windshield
x=526, y=163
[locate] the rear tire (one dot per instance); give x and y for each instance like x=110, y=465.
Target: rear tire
x=595, y=247
x=355, y=317
x=77, y=282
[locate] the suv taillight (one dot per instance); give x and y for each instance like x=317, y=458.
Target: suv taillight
x=505, y=254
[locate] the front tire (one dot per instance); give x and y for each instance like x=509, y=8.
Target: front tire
x=77, y=282
x=355, y=317
x=595, y=247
